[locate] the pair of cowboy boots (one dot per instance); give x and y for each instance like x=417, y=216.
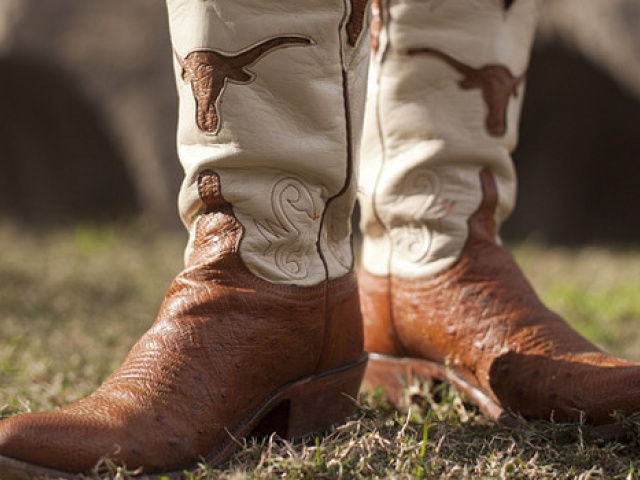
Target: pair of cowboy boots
x=263, y=331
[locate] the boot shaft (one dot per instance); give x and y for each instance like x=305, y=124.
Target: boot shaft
x=271, y=98
x=447, y=85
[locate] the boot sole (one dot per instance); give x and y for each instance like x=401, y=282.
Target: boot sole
x=310, y=405
x=393, y=374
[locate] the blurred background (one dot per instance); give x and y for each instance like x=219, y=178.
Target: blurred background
x=87, y=119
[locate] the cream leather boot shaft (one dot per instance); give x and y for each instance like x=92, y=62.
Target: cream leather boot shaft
x=446, y=88
x=278, y=100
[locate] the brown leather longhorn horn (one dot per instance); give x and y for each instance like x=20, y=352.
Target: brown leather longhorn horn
x=208, y=71
x=356, y=20
x=497, y=83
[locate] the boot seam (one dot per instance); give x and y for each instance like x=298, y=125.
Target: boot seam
x=348, y=175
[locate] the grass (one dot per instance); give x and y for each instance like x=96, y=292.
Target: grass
x=73, y=301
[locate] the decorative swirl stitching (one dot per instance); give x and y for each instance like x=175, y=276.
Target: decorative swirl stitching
x=413, y=238
x=289, y=234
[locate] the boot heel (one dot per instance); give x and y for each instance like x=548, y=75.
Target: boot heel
x=314, y=404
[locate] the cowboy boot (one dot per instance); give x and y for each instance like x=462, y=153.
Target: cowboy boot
x=261, y=332
x=440, y=296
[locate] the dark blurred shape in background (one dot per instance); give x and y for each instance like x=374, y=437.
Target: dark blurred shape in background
x=58, y=162
x=579, y=157
x=87, y=118
x=91, y=108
